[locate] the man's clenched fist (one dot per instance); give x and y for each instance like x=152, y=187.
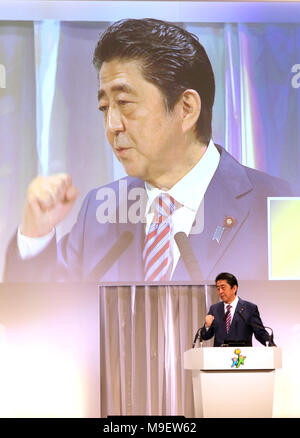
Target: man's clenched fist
x=49, y=200
x=208, y=320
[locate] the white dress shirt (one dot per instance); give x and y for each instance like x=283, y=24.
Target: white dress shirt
x=233, y=307
x=31, y=246
x=189, y=192
x=232, y=310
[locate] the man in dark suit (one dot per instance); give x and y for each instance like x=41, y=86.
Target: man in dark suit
x=233, y=319
x=242, y=247
x=156, y=92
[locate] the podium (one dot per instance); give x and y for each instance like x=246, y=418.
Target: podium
x=233, y=382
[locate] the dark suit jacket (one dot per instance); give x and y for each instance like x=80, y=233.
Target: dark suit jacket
x=235, y=190
x=241, y=328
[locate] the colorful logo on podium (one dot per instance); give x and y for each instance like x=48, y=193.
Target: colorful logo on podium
x=238, y=360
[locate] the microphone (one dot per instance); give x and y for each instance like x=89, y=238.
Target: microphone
x=198, y=336
x=111, y=256
x=251, y=324
x=188, y=256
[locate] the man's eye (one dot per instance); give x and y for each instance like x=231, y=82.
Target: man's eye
x=102, y=108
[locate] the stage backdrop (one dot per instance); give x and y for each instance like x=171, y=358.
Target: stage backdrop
x=49, y=122
x=77, y=350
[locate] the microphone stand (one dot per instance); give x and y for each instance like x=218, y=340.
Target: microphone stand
x=270, y=340
x=198, y=336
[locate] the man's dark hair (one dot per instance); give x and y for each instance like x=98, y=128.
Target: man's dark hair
x=230, y=278
x=172, y=59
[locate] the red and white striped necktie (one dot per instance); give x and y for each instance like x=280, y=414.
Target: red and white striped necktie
x=157, y=254
x=228, y=317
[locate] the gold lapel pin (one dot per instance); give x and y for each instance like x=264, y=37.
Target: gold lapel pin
x=228, y=223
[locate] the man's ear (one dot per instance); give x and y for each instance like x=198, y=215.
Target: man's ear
x=191, y=108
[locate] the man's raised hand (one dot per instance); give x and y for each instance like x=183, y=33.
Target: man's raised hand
x=209, y=320
x=49, y=200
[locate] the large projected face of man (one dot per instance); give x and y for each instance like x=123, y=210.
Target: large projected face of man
x=151, y=99
x=148, y=140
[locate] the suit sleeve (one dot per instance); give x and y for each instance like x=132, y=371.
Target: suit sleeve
x=259, y=331
x=208, y=333
x=41, y=268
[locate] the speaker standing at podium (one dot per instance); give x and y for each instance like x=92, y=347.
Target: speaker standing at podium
x=233, y=320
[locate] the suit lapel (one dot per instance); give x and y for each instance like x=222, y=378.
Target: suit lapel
x=221, y=317
x=130, y=265
x=227, y=195
x=236, y=318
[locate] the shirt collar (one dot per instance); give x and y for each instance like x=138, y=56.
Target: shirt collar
x=186, y=190
x=233, y=304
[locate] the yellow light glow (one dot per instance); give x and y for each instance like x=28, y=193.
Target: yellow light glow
x=285, y=239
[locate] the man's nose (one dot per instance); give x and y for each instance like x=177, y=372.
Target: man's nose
x=114, y=122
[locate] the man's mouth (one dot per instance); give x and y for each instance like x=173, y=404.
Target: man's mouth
x=120, y=150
